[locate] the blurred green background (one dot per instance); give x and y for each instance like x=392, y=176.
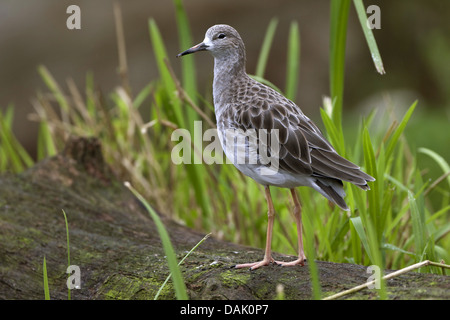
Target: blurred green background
x=414, y=42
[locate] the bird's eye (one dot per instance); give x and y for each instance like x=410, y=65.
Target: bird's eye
x=221, y=35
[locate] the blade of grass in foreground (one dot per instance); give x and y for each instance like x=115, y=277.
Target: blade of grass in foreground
x=310, y=254
x=178, y=282
x=182, y=260
x=195, y=172
x=376, y=57
x=357, y=224
x=68, y=248
x=46, y=290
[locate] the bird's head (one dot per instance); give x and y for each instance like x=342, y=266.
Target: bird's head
x=221, y=40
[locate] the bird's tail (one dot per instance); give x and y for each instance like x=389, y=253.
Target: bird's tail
x=333, y=190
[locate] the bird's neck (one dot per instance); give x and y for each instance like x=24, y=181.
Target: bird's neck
x=227, y=70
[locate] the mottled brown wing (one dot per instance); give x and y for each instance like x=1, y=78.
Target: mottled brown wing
x=294, y=151
x=303, y=148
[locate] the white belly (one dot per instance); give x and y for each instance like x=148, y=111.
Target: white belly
x=252, y=158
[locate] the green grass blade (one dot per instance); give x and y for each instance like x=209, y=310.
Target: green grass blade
x=90, y=95
x=181, y=261
x=310, y=253
x=11, y=148
x=333, y=133
x=418, y=226
x=373, y=219
x=396, y=135
x=8, y=116
x=438, y=214
x=189, y=80
x=46, y=290
x=395, y=248
x=45, y=145
x=54, y=88
x=338, y=35
x=178, y=282
x=357, y=224
x=195, y=172
x=68, y=247
x=265, y=49
x=376, y=57
x=166, y=78
x=439, y=160
x=142, y=95
x=293, y=62
x=371, y=168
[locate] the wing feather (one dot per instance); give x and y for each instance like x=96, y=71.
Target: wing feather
x=302, y=147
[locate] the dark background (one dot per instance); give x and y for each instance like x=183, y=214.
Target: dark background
x=414, y=42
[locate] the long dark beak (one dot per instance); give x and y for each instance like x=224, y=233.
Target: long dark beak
x=199, y=47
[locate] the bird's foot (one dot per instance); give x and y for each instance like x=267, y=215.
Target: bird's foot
x=299, y=261
x=255, y=265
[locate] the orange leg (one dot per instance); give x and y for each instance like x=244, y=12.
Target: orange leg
x=268, y=252
x=298, y=220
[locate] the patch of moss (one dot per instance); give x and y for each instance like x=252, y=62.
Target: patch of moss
x=127, y=286
x=234, y=279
